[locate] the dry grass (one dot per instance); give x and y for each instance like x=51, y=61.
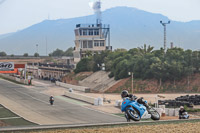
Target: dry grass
x=163, y=128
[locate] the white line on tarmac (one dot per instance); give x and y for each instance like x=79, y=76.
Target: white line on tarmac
x=68, y=102
x=32, y=96
x=101, y=112
x=28, y=94
x=9, y=118
x=83, y=106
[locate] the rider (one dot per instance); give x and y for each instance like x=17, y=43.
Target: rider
x=181, y=111
x=51, y=100
x=124, y=94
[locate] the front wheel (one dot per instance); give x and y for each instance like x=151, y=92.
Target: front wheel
x=154, y=114
x=133, y=114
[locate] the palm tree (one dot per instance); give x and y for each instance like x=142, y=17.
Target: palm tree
x=88, y=53
x=144, y=50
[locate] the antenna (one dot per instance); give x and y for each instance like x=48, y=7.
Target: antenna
x=164, y=25
x=46, y=44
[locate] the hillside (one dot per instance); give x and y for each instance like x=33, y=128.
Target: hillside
x=98, y=81
x=130, y=27
x=152, y=86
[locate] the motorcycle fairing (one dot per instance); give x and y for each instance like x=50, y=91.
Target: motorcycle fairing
x=127, y=103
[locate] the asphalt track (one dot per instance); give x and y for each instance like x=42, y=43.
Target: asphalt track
x=62, y=112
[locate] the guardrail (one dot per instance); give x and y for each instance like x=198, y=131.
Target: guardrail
x=47, y=127
x=74, y=87
x=22, y=81
x=91, y=100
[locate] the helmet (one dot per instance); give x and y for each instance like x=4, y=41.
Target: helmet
x=124, y=93
x=181, y=107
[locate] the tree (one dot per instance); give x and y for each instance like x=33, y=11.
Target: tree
x=88, y=53
x=68, y=52
x=3, y=54
x=25, y=55
x=57, y=52
x=36, y=55
x=83, y=65
x=12, y=55
x=145, y=63
x=144, y=50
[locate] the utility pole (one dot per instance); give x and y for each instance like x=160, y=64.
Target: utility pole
x=37, y=48
x=131, y=73
x=164, y=25
x=46, y=45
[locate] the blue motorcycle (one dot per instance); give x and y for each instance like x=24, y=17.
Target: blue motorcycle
x=137, y=110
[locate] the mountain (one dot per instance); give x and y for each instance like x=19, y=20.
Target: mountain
x=130, y=27
x=5, y=35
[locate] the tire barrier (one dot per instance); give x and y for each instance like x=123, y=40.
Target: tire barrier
x=187, y=100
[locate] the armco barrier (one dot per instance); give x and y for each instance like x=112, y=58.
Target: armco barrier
x=74, y=87
x=23, y=81
x=84, y=98
x=91, y=125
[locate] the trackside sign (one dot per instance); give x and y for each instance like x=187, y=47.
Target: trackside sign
x=6, y=66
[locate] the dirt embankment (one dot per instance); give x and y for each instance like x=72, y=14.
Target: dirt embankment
x=98, y=81
x=74, y=79
x=188, y=85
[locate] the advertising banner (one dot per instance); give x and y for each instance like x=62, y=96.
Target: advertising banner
x=6, y=66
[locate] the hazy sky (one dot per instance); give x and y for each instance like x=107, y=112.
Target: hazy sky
x=19, y=14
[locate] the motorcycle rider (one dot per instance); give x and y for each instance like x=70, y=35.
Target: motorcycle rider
x=124, y=94
x=51, y=99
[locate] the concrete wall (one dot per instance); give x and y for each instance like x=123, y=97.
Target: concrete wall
x=23, y=81
x=74, y=87
x=91, y=100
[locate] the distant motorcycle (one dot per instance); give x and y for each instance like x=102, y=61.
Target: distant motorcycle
x=184, y=116
x=137, y=110
x=51, y=100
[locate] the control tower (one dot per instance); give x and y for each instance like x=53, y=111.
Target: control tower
x=91, y=37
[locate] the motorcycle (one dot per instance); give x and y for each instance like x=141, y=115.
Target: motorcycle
x=51, y=100
x=184, y=116
x=137, y=110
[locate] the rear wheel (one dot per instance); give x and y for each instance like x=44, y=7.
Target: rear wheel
x=133, y=114
x=154, y=114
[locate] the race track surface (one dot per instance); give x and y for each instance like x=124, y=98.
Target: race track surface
x=34, y=106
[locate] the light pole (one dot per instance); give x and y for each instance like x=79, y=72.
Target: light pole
x=131, y=73
x=164, y=25
x=37, y=48
x=102, y=67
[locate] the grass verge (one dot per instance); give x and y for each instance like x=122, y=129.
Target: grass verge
x=6, y=113
x=18, y=122
x=6, y=117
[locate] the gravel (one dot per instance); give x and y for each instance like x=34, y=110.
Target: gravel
x=165, y=128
